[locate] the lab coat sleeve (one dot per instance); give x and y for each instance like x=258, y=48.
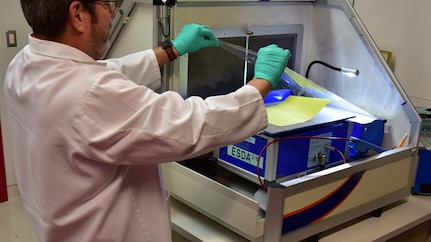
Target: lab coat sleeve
x=140, y=67
x=127, y=124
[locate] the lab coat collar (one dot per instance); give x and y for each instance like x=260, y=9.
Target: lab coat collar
x=60, y=51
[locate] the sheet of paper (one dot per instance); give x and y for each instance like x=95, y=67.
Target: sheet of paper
x=295, y=109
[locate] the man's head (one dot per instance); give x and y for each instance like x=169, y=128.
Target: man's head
x=82, y=24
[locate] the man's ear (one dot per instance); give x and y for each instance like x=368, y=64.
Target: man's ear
x=78, y=16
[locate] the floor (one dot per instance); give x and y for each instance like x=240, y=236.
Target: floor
x=14, y=226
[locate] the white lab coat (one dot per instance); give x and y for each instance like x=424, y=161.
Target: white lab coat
x=88, y=142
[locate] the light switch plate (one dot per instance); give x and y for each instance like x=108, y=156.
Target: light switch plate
x=11, y=38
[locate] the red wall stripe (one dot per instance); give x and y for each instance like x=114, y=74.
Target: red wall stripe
x=3, y=186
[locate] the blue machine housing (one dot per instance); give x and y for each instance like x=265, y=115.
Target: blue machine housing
x=297, y=153
x=294, y=153
x=302, y=151
x=371, y=133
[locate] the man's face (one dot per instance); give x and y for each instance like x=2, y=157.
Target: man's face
x=101, y=24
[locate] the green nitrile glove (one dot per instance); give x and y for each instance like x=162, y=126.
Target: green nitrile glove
x=194, y=37
x=270, y=63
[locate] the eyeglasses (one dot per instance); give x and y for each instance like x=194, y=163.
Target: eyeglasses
x=110, y=5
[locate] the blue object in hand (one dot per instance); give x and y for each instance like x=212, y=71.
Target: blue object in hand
x=194, y=37
x=276, y=96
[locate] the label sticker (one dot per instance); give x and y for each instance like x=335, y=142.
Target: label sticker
x=244, y=155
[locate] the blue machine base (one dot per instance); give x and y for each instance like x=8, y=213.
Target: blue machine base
x=423, y=176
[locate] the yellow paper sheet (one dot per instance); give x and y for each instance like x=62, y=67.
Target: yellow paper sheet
x=295, y=109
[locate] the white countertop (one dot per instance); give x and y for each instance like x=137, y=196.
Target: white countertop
x=395, y=220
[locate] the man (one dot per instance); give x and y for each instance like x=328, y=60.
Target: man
x=88, y=142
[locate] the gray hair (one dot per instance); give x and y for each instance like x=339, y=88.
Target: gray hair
x=49, y=17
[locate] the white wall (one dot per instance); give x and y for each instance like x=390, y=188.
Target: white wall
x=399, y=26
x=403, y=27
x=142, y=19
